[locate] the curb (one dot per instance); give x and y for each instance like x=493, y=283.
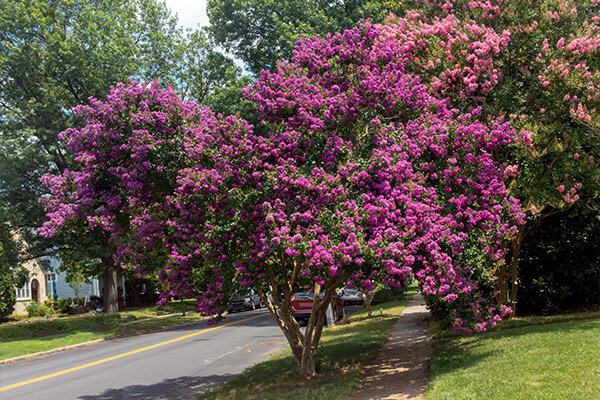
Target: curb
x=93, y=342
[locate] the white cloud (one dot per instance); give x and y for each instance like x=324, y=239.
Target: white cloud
x=190, y=13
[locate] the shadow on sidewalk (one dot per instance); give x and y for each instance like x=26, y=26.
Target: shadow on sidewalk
x=401, y=368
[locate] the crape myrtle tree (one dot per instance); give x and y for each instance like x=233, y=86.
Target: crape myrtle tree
x=358, y=175
x=361, y=177
x=537, y=63
x=127, y=156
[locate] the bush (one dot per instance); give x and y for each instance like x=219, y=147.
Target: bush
x=8, y=296
x=62, y=305
x=560, y=263
x=71, y=306
x=35, y=309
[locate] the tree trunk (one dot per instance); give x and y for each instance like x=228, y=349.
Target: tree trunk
x=307, y=364
x=304, y=345
x=508, y=273
x=135, y=293
x=514, y=266
x=367, y=302
x=111, y=303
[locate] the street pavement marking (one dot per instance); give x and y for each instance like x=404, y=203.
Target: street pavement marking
x=66, y=371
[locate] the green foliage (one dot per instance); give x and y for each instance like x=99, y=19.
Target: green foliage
x=76, y=280
x=560, y=262
x=11, y=275
x=95, y=323
x=260, y=32
x=8, y=296
x=35, y=309
x=65, y=305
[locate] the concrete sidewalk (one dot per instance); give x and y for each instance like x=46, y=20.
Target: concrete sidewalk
x=401, y=368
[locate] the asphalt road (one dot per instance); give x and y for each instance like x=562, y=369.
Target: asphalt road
x=194, y=359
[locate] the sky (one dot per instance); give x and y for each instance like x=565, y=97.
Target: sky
x=189, y=12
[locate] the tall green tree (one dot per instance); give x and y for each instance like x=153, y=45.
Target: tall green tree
x=207, y=76
x=11, y=275
x=259, y=32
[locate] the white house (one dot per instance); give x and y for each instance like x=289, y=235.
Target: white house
x=57, y=286
x=42, y=285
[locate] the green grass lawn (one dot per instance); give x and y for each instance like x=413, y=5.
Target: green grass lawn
x=47, y=334
x=526, y=358
x=15, y=348
x=343, y=351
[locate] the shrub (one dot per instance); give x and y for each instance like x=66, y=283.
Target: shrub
x=35, y=309
x=560, y=263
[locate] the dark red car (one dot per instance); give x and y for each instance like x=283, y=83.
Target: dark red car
x=302, y=303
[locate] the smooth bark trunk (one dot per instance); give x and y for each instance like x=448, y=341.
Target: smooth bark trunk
x=304, y=345
x=368, y=298
x=508, y=275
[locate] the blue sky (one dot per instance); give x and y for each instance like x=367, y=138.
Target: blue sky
x=189, y=12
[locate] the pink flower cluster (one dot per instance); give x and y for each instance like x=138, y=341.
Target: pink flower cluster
x=460, y=56
x=537, y=65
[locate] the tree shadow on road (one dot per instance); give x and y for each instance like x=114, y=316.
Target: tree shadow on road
x=183, y=387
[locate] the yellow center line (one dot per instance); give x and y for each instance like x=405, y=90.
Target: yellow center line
x=104, y=360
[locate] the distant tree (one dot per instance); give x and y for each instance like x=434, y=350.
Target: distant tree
x=260, y=32
x=12, y=276
x=76, y=281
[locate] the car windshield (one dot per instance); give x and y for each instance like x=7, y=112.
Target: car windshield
x=306, y=295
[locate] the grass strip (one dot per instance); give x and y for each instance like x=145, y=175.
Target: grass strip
x=18, y=339
x=343, y=352
x=555, y=359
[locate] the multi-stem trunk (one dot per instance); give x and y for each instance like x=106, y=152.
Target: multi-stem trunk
x=508, y=275
x=304, y=345
x=514, y=266
x=111, y=304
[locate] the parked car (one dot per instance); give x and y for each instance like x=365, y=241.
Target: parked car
x=245, y=301
x=351, y=296
x=302, y=303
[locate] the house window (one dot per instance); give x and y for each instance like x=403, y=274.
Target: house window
x=24, y=293
x=51, y=277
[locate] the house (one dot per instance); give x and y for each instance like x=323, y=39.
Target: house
x=33, y=290
x=58, y=287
